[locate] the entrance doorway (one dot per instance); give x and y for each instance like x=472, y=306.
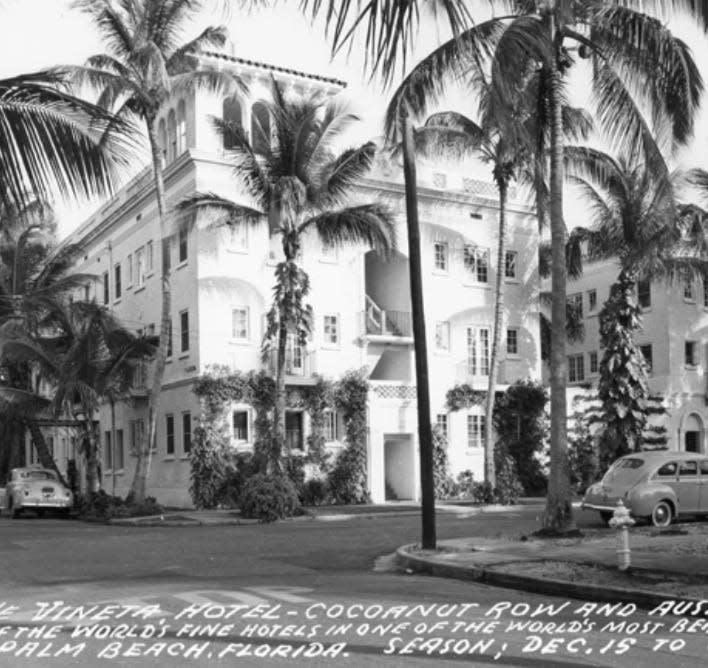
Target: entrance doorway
x=399, y=467
x=693, y=434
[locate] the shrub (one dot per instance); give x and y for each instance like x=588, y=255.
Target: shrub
x=445, y=486
x=241, y=466
x=583, y=460
x=294, y=468
x=465, y=484
x=269, y=498
x=509, y=487
x=209, y=465
x=101, y=506
x=315, y=492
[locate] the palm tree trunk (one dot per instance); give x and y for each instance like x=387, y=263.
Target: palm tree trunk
x=138, y=488
x=92, y=481
x=425, y=435
x=113, y=446
x=278, y=437
x=489, y=468
x=40, y=445
x=558, y=516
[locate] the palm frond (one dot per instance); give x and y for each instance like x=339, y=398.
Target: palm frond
x=342, y=173
x=224, y=210
x=371, y=224
x=389, y=25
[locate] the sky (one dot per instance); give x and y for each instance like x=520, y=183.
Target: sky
x=40, y=33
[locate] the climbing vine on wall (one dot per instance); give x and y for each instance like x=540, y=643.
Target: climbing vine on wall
x=463, y=396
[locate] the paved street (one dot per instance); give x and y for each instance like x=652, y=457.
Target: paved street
x=304, y=592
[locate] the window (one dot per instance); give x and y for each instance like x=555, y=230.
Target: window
x=646, y=351
x=184, y=331
x=512, y=341
x=166, y=255
x=183, y=230
x=510, y=264
x=260, y=128
x=186, y=432
x=476, y=261
x=441, y=423
x=120, y=452
x=118, y=287
x=331, y=433
x=50, y=445
x=476, y=431
x=478, y=351
x=169, y=339
x=688, y=468
x=87, y=292
x=140, y=266
x=592, y=301
x=442, y=336
x=171, y=136
x=232, y=116
x=293, y=430
x=644, y=293
x=240, y=422
x=705, y=291
x=331, y=330
x=593, y=362
x=106, y=288
x=238, y=236
x=667, y=470
x=441, y=258
x=150, y=258
x=130, y=270
x=239, y=323
x=108, y=457
x=170, y=434
x=181, y=128
x=137, y=435
x=576, y=303
x=691, y=353
x=576, y=368
x=687, y=281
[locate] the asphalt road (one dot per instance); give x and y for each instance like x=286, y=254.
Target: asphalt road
x=296, y=593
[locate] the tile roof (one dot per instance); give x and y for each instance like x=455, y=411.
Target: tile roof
x=275, y=68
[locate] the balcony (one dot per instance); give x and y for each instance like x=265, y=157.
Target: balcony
x=300, y=365
x=475, y=372
x=388, y=324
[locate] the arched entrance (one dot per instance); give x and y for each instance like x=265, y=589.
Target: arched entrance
x=693, y=433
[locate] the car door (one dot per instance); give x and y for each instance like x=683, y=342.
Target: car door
x=703, y=498
x=688, y=486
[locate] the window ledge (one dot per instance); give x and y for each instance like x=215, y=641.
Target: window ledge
x=168, y=458
x=181, y=265
x=184, y=457
x=149, y=274
x=140, y=288
x=240, y=342
x=183, y=356
x=477, y=284
x=328, y=260
x=117, y=301
x=441, y=272
x=331, y=346
x=511, y=280
x=645, y=309
x=238, y=251
x=691, y=367
x=513, y=356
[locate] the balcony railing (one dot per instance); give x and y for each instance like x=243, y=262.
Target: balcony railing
x=380, y=322
x=298, y=362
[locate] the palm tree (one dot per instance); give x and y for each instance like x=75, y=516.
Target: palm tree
x=633, y=56
x=55, y=142
x=147, y=63
x=300, y=186
x=87, y=357
x=34, y=281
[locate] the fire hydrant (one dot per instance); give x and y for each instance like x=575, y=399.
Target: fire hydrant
x=621, y=520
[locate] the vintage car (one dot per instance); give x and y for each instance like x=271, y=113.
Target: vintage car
x=38, y=489
x=657, y=486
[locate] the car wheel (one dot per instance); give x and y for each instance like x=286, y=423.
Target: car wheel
x=662, y=515
x=606, y=516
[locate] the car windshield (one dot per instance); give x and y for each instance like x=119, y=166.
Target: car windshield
x=624, y=471
x=38, y=475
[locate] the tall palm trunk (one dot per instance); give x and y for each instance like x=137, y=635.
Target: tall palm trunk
x=92, y=478
x=558, y=516
x=278, y=436
x=40, y=445
x=489, y=468
x=425, y=435
x=113, y=446
x=138, y=487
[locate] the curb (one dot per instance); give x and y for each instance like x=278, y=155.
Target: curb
x=564, y=588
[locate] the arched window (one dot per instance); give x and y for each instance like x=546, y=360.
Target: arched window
x=231, y=114
x=162, y=140
x=260, y=127
x=181, y=128
x=171, y=136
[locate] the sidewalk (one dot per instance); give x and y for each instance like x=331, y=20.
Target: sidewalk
x=666, y=565
x=230, y=517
